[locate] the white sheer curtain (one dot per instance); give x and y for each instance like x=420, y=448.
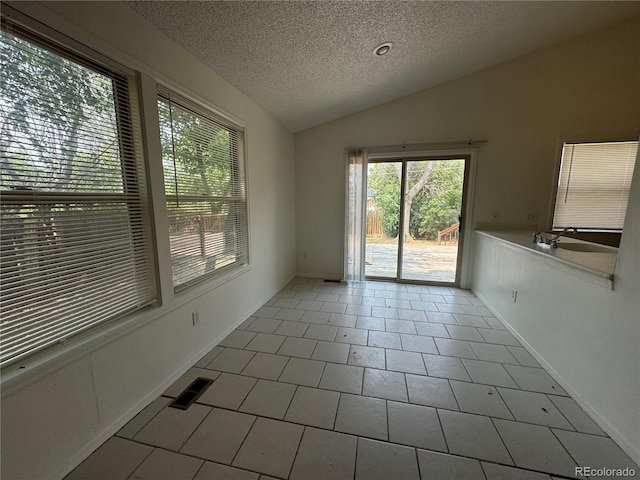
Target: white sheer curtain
x=354, y=215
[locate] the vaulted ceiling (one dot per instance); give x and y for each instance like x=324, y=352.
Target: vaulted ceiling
x=309, y=62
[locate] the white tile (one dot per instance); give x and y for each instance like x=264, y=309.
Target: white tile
x=410, y=362
x=342, y=378
x=367, y=356
x=331, y=352
x=397, y=303
x=238, y=338
x=141, y=419
x=292, y=329
x=494, y=323
x=493, y=353
x=342, y=320
x=424, y=306
x=385, y=461
x=315, y=317
x=578, y=418
x=477, y=310
x=266, y=312
x=265, y=342
x=314, y=407
x=246, y=323
x=286, y=303
x=455, y=348
x=208, y=358
x=172, y=427
x=501, y=472
x=270, y=447
x=385, y=340
x=523, y=357
x=415, y=425
x=464, y=333
x=116, y=459
x=431, y=297
x=413, y=315
x=268, y=399
x=535, y=447
x=215, y=471
x=489, y=373
x=219, y=436
x=449, y=308
x=442, y=317
x=325, y=455
x=593, y=450
x=354, y=336
x=480, y=399
x=439, y=466
x=328, y=297
x=290, y=314
x=384, y=312
x=370, y=323
x=332, y=307
x=363, y=416
x=164, y=465
x=400, y=326
x=310, y=305
x=534, y=379
x=298, y=347
x=263, y=325
x=305, y=295
x=301, y=371
x=473, y=436
x=501, y=337
x=265, y=365
x=321, y=332
x=383, y=384
x=228, y=391
x=432, y=330
x=417, y=343
x=445, y=367
x=231, y=360
x=362, y=310
x=373, y=301
x=533, y=407
x=471, y=321
x=431, y=392
x=456, y=299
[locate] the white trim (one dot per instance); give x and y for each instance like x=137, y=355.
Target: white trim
x=630, y=449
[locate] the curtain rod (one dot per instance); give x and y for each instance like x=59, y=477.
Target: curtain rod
x=412, y=146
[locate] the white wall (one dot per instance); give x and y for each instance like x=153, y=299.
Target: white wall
x=587, y=335
x=586, y=88
x=55, y=414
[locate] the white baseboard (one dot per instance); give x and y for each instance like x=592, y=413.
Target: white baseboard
x=630, y=449
x=328, y=276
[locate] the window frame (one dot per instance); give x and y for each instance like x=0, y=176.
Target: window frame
x=201, y=109
x=556, y=180
x=133, y=178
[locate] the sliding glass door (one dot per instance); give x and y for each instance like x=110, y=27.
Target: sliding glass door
x=414, y=215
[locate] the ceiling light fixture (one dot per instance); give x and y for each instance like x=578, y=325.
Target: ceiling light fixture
x=382, y=49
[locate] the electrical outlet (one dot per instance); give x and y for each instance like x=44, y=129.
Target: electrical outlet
x=195, y=318
x=514, y=295
x=496, y=216
x=532, y=217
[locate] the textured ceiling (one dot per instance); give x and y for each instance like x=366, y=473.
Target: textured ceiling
x=309, y=62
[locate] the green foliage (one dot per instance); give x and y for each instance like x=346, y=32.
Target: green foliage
x=435, y=207
x=56, y=114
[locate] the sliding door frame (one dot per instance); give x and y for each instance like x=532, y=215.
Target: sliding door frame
x=469, y=155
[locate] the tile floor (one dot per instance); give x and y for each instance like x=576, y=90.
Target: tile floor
x=381, y=381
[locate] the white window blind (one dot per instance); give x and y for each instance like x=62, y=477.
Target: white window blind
x=205, y=190
x=593, y=185
x=75, y=237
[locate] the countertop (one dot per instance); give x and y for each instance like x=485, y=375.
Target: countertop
x=601, y=264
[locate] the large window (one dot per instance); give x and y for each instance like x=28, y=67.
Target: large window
x=205, y=190
x=74, y=233
x=593, y=185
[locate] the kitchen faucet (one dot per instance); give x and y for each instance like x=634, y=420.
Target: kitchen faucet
x=553, y=241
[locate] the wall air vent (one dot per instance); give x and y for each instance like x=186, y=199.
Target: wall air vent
x=191, y=393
